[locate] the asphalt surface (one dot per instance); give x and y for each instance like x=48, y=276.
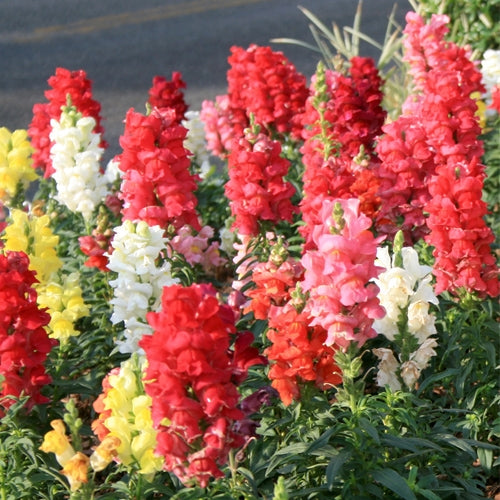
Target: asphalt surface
x=123, y=44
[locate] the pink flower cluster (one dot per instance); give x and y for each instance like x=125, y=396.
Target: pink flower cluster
x=338, y=273
x=156, y=184
x=256, y=189
x=64, y=83
x=192, y=378
x=24, y=343
x=342, y=119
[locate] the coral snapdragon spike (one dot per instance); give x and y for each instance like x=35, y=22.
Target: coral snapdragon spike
x=342, y=298
x=192, y=378
x=342, y=119
x=256, y=188
x=64, y=83
x=24, y=343
x=264, y=83
x=168, y=94
x=157, y=186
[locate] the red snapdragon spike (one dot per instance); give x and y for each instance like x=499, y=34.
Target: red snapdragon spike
x=338, y=151
x=432, y=162
x=192, y=378
x=169, y=94
x=264, y=83
x=298, y=354
x=24, y=343
x=256, y=188
x=157, y=186
x=64, y=82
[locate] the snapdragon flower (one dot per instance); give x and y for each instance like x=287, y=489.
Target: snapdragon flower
x=490, y=70
x=76, y=155
x=136, y=257
x=125, y=425
x=405, y=293
x=196, y=143
x=59, y=292
x=15, y=163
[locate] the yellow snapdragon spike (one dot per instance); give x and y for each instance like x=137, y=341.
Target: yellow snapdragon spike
x=34, y=236
x=130, y=420
x=57, y=442
x=15, y=163
x=65, y=305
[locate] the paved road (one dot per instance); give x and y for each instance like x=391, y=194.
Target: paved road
x=122, y=44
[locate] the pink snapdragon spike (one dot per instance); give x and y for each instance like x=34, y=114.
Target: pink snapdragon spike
x=338, y=273
x=64, y=83
x=342, y=119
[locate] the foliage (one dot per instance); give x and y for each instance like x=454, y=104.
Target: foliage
x=344, y=437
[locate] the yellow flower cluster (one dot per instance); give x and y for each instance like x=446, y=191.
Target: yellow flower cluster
x=130, y=420
x=61, y=294
x=75, y=464
x=15, y=163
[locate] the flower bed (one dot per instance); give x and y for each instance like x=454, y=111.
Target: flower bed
x=288, y=294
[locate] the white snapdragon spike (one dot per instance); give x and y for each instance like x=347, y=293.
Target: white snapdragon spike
x=112, y=172
x=195, y=141
x=142, y=274
x=490, y=70
x=76, y=157
x=406, y=294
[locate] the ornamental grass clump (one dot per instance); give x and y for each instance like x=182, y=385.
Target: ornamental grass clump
x=291, y=293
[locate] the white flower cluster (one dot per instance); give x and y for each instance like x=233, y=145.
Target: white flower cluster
x=405, y=293
x=76, y=157
x=137, y=258
x=196, y=143
x=490, y=69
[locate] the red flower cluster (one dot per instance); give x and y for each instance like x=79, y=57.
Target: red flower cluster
x=192, y=378
x=156, y=184
x=297, y=352
x=431, y=162
x=24, y=343
x=256, y=189
x=261, y=83
x=407, y=162
x=343, y=117
x=63, y=83
x=168, y=94
x=458, y=232
x=437, y=125
x=264, y=83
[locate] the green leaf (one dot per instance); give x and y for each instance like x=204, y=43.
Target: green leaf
x=334, y=467
x=396, y=483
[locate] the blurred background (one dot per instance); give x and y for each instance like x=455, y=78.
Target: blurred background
x=123, y=44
